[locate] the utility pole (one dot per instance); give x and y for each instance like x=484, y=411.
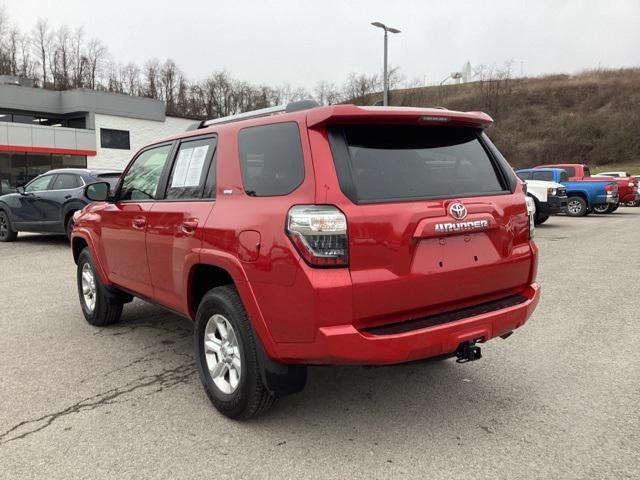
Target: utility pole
x=385, y=80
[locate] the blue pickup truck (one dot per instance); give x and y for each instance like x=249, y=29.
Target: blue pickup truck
x=583, y=196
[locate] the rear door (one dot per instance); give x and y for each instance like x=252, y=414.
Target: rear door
x=124, y=223
x=174, y=236
x=64, y=188
x=433, y=223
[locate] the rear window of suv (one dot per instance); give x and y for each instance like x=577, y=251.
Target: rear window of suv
x=378, y=163
x=271, y=159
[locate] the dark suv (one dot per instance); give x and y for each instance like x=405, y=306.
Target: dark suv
x=47, y=203
x=305, y=236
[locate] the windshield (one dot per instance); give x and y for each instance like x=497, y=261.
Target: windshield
x=396, y=162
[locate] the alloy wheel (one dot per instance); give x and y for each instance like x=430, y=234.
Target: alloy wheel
x=88, y=287
x=222, y=353
x=4, y=226
x=574, y=206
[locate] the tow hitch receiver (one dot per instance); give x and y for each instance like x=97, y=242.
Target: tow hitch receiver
x=468, y=352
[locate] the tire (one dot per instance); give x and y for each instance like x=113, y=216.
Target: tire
x=540, y=218
x=577, y=207
x=99, y=307
x=68, y=225
x=7, y=233
x=614, y=208
x=602, y=208
x=237, y=353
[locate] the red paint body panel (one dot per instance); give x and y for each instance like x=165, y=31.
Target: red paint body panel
x=399, y=269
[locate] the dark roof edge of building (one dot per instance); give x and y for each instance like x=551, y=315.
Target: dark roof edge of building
x=62, y=102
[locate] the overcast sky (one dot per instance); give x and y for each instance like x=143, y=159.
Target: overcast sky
x=302, y=42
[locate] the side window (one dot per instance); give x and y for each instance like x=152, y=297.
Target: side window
x=547, y=176
x=271, y=159
x=143, y=176
x=66, y=181
x=189, y=174
x=39, y=184
x=524, y=175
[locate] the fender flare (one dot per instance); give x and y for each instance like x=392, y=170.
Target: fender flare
x=234, y=268
x=84, y=234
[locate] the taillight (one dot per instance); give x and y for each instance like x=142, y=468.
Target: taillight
x=319, y=233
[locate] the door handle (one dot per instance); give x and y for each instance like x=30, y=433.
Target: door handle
x=189, y=226
x=139, y=222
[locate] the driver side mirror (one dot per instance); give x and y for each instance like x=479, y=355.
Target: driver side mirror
x=20, y=190
x=97, y=192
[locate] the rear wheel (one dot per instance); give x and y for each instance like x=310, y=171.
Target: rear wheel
x=602, y=208
x=227, y=356
x=99, y=307
x=577, y=207
x=7, y=233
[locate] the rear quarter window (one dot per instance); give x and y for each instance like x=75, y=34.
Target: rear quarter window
x=401, y=162
x=271, y=159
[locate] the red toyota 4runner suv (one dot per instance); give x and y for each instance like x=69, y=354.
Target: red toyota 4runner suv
x=304, y=236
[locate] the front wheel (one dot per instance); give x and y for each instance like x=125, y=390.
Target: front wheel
x=7, y=233
x=540, y=218
x=98, y=306
x=227, y=356
x=577, y=207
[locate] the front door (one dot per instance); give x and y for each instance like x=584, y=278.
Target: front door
x=28, y=211
x=124, y=223
x=174, y=229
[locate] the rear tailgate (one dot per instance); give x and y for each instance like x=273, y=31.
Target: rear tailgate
x=433, y=222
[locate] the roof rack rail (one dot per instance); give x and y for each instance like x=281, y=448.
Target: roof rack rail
x=263, y=112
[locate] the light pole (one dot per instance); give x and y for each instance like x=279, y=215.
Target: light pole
x=385, y=97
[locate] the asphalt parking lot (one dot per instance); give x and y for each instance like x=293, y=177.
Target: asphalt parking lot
x=559, y=399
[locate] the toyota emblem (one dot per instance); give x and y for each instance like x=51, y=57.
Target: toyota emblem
x=458, y=211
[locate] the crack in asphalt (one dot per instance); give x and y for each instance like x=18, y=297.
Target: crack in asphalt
x=163, y=380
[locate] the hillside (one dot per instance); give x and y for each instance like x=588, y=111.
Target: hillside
x=592, y=118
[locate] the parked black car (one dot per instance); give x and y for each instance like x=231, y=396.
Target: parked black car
x=46, y=204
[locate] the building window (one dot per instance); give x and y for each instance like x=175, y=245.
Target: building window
x=16, y=169
x=118, y=139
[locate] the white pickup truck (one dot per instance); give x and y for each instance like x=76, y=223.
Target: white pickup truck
x=549, y=197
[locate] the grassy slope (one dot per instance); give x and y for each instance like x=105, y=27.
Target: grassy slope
x=591, y=118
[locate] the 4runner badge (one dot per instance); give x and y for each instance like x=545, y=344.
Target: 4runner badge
x=459, y=212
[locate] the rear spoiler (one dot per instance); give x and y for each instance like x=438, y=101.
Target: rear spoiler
x=426, y=116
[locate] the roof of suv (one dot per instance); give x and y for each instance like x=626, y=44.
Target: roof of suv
x=351, y=114
x=86, y=171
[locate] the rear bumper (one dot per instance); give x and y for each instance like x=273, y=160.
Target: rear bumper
x=630, y=197
x=613, y=199
x=345, y=344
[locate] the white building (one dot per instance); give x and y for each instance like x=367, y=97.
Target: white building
x=44, y=129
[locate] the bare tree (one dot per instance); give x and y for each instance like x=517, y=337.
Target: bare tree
x=79, y=59
x=168, y=79
x=62, y=58
x=151, y=75
x=96, y=57
x=359, y=88
x=41, y=38
x=131, y=74
x=327, y=93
